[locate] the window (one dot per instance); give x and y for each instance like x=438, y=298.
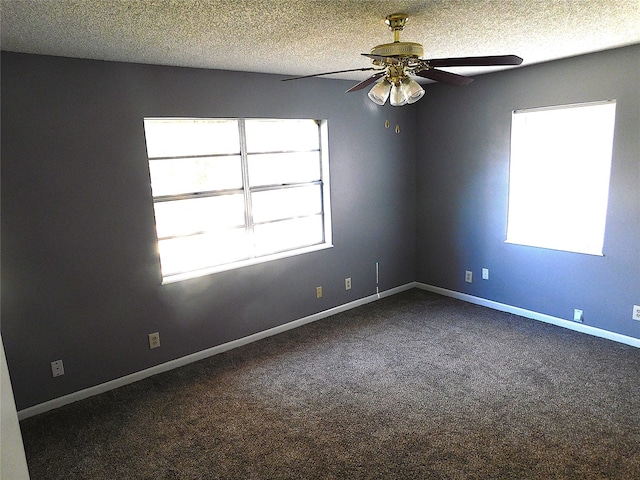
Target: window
x=559, y=176
x=233, y=192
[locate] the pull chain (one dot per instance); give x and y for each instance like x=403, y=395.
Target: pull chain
x=387, y=124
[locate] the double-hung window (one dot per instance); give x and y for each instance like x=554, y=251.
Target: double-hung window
x=233, y=192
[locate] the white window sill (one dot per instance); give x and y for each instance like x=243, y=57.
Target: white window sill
x=243, y=263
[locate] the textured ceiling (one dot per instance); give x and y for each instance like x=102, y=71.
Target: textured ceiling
x=300, y=37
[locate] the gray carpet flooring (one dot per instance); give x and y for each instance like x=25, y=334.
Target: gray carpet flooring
x=412, y=386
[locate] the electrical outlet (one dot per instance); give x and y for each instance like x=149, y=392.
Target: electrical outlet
x=485, y=274
x=468, y=276
x=578, y=316
x=636, y=312
x=347, y=283
x=318, y=292
x=57, y=368
x=154, y=340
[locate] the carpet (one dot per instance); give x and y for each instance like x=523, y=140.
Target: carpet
x=415, y=385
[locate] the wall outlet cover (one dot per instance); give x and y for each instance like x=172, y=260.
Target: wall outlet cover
x=468, y=276
x=578, y=315
x=154, y=340
x=636, y=312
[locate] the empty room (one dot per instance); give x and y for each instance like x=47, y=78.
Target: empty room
x=320, y=239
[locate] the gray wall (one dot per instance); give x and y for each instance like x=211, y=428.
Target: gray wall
x=462, y=174
x=80, y=276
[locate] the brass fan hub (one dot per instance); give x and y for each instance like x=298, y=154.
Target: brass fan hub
x=398, y=49
x=395, y=74
x=396, y=23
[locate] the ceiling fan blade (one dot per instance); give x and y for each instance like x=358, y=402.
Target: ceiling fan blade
x=364, y=83
x=445, y=77
x=382, y=58
x=330, y=73
x=475, y=61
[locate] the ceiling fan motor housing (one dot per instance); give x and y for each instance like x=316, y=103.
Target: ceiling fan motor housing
x=398, y=49
x=396, y=23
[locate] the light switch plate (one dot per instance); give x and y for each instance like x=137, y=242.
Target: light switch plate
x=57, y=368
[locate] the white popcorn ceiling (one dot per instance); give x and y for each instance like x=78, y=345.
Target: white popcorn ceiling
x=302, y=37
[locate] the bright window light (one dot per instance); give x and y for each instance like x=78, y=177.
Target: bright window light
x=559, y=176
x=233, y=192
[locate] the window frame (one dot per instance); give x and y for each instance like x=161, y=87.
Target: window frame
x=247, y=191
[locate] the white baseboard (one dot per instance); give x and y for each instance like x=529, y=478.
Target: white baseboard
x=578, y=327
x=194, y=357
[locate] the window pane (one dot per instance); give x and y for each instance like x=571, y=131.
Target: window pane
x=559, y=177
x=286, y=203
x=283, y=168
x=288, y=234
x=190, y=137
x=282, y=135
x=201, y=174
x=201, y=251
x=190, y=175
x=184, y=217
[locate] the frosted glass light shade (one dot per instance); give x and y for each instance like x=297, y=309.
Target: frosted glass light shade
x=398, y=97
x=412, y=90
x=380, y=92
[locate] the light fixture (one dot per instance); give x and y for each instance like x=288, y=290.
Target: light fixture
x=380, y=92
x=398, y=97
x=412, y=90
x=400, y=91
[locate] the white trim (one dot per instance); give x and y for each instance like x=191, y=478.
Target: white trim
x=178, y=277
x=194, y=357
x=569, y=105
x=578, y=327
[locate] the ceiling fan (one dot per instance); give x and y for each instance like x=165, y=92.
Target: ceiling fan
x=394, y=63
